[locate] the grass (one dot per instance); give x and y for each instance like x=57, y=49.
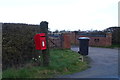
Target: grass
x=112, y=46
x=62, y=62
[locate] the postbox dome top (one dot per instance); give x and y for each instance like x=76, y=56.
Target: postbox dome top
x=83, y=38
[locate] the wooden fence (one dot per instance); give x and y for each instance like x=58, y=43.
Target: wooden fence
x=59, y=40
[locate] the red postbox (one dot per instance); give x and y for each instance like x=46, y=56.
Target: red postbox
x=40, y=41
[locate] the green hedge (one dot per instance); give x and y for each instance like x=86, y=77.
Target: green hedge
x=18, y=44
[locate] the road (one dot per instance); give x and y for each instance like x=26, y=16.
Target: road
x=104, y=64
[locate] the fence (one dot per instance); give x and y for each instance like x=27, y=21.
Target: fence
x=59, y=40
x=55, y=40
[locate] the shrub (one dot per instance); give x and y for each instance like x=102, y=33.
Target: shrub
x=18, y=45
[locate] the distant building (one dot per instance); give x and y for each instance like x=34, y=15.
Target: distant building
x=95, y=40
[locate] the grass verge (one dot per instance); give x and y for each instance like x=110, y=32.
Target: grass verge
x=62, y=62
x=112, y=46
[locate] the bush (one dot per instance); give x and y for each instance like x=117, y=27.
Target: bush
x=18, y=45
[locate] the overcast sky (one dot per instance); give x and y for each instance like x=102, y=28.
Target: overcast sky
x=62, y=14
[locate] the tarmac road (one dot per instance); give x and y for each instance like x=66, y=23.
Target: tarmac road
x=104, y=64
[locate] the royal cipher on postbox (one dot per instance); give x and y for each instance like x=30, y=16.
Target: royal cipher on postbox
x=40, y=41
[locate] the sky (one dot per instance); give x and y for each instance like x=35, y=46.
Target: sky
x=62, y=14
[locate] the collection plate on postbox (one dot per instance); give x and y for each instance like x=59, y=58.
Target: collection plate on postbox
x=40, y=41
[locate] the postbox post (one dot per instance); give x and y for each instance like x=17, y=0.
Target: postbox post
x=45, y=52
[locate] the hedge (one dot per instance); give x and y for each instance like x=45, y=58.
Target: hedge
x=18, y=44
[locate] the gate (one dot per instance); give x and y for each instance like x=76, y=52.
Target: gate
x=55, y=40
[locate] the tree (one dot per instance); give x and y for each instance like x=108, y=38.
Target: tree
x=56, y=31
x=62, y=31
